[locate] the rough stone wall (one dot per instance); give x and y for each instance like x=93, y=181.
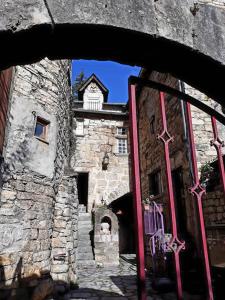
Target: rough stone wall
x=202, y=124
x=106, y=239
x=100, y=136
x=220, y=3
x=64, y=236
x=214, y=216
x=214, y=207
x=151, y=153
x=33, y=170
x=176, y=22
x=152, y=150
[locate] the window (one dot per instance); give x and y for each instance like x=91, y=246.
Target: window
x=79, y=127
x=155, y=184
x=122, y=146
x=41, y=129
x=121, y=140
x=121, y=131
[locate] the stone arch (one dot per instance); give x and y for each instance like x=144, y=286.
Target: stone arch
x=180, y=37
x=117, y=192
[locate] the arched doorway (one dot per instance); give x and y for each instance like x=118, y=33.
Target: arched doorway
x=123, y=208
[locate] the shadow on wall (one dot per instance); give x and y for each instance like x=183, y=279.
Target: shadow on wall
x=18, y=157
x=43, y=287
x=33, y=287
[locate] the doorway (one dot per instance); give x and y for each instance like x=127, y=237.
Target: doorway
x=82, y=188
x=123, y=208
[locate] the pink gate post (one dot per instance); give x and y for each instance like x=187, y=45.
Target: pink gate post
x=218, y=144
x=137, y=193
x=197, y=190
x=175, y=244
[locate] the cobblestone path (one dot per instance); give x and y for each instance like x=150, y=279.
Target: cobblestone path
x=117, y=283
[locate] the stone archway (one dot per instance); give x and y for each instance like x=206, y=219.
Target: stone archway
x=184, y=38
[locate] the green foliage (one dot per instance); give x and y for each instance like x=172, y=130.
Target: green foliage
x=207, y=171
x=80, y=79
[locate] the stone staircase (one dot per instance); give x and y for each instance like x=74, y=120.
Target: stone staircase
x=84, y=249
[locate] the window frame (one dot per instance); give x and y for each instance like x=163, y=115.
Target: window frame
x=155, y=174
x=121, y=133
x=123, y=147
x=45, y=124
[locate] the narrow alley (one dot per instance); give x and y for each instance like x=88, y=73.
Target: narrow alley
x=119, y=282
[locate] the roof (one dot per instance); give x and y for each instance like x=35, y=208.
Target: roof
x=93, y=78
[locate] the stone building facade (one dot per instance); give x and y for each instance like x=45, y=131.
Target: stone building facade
x=152, y=164
x=49, y=141
x=101, y=131
x=38, y=191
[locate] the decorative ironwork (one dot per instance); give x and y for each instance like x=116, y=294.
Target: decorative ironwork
x=137, y=194
x=218, y=144
x=197, y=190
x=166, y=138
x=172, y=242
x=175, y=245
x=179, y=95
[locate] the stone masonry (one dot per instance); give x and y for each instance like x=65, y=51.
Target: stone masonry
x=151, y=160
x=100, y=137
x=38, y=200
x=189, y=29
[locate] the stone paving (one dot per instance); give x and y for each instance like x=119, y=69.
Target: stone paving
x=96, y=283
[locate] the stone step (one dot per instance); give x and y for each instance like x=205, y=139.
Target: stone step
x=85, y=231
x=84, y=214
x=84, y=237
x=84, y=249
x=84, y=217
x=81, y=226
x=82, y=208
x=83, y=263
x=85, y=223
x=84, y=256
x=84, y=243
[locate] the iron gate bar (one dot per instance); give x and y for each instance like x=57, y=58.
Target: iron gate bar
x=218, y=144
x=175, y=244
x=180, y=95
x=197, y=190
x=137, y=193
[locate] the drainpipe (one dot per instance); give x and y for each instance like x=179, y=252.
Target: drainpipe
x=187, y=144
x=186, y=137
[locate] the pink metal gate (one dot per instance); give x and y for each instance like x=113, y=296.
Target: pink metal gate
x=197, y=190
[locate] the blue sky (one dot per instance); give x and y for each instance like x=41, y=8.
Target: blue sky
x=113, y=75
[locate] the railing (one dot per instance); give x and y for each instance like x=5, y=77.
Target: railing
x=93, y=105
x=171, y=242
x=154, y=226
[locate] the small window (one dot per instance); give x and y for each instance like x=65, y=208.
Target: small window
x=121, y=131
x=79, y=127
x=41, y=129
x=155, y=183
x=122, y=146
